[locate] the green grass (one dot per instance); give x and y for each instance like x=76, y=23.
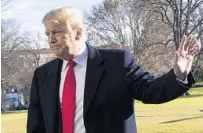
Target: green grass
x=183, y=115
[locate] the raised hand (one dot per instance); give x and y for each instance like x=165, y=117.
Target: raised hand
x=187, y=50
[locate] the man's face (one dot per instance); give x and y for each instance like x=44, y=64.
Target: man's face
x=61, y=39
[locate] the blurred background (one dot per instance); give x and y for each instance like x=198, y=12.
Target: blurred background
x=150, y=29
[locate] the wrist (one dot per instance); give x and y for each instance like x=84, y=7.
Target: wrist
x=181, y=76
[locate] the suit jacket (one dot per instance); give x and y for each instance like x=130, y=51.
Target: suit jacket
x=113, y=81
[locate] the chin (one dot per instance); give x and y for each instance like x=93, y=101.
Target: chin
x=57, y=53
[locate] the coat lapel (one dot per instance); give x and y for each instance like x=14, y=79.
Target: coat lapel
x=51, y=95
x=93, y=74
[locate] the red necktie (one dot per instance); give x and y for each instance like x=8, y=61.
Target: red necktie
x=68, y=99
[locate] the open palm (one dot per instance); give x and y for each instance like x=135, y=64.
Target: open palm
x=184, y=56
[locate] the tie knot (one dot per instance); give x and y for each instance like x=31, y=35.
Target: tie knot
x=71, y=63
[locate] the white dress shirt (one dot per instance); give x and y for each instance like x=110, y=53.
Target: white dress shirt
x=80, y=74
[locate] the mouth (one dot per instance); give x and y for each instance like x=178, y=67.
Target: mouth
x=55, y=47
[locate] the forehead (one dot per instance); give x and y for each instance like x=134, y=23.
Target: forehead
x=53, y=24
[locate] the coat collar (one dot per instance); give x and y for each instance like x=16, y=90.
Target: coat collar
x=93, y=75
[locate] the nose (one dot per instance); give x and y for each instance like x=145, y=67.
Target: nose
x=52, y=39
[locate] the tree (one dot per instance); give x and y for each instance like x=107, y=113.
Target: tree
x=20, y=55
x=182, y=17
x=32, y=51
x=127, y=23
x=5, y=5
x=178, y=15
x=11, y=42
x=198, y=65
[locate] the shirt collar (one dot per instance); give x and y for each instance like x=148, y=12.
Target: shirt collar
x=80, y=59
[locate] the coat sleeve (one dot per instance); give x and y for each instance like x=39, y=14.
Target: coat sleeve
x=35, y=119
x=147, y=88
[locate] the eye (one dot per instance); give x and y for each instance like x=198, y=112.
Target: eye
x=47, y=33
x=57, y=31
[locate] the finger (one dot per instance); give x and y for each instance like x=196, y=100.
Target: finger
x=192, y=44
x=182, y=41
x=181, y=47
x=199, y=44
x=187, y=43
x=189, y=57
x=177, y=56
x=196, y=51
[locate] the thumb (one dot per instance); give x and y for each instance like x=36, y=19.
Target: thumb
x=177, y=55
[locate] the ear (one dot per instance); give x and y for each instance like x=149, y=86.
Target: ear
x=78, y=34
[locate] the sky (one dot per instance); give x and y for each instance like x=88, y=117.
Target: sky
x=29, y=13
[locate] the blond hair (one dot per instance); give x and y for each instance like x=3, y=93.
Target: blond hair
x=69, y=15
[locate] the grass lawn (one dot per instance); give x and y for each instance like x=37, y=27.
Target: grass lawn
x=183, y=115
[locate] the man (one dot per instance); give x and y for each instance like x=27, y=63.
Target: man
x=89, y=90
